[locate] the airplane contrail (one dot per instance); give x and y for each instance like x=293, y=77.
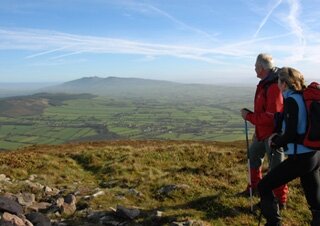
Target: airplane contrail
x=46, y=52
x=265, y=19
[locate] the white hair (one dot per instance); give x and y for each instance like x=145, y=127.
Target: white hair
x=265, y=61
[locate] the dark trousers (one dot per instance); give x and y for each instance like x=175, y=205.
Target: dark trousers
x=306, y=167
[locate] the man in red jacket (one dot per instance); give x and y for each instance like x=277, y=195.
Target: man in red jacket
x=268, y=100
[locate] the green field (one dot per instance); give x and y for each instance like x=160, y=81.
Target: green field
x=106, y=118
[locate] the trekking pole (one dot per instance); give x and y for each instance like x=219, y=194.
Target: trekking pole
x=249, y=174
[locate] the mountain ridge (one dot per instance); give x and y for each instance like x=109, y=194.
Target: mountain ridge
x=138, y=88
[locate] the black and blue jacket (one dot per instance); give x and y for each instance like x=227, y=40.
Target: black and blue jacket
x=294, y=124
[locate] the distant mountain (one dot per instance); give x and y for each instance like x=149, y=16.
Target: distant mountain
x=111, y=81
x=141, y=88
x=114, y=86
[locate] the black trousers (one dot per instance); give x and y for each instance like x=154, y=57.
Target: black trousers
x=307, y=168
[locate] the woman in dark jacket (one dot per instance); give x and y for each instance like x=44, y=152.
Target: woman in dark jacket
x=302, y=162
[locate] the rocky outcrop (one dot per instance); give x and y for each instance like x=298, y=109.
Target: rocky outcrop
x=36, y=204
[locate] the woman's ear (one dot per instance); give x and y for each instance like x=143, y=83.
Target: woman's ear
x=282, y=85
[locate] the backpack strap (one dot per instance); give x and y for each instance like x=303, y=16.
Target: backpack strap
x=300, y=137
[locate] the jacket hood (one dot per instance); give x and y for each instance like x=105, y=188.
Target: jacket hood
x=272, y=76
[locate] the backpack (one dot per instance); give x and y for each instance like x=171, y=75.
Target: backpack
x=311, y=96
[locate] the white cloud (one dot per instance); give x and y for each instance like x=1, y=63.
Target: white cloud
x=294, y=44
x=296, y=27
x=50, y=42
x=58, y=45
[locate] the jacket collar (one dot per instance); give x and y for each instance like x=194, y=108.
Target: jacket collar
x=287, y=93
x=272, y=75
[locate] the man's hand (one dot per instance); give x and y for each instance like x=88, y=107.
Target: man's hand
x=244, y=112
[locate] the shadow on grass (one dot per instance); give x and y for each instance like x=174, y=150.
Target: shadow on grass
x=93, y=163
x=212, y=206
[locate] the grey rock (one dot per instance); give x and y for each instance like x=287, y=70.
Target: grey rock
x=177, y=224
x=26, y=199
x=169, y=188
x=158, y=213
x=8, y=205
x=32, y=177
x=39, y=206
x=99, y=193
x=187, y=223
x=68, y=209
x=4, y=178
x=28, y=223
x=134, y=192
x=109, y=220
x=38, y=219
x=59, y=223
x=69, y=205
x=35, y=187
x=11, y=220
x=129, y=213
x=51, y=191
x=47, y=189
x=10, y=196
x=96, y=216
x=60, y=201
x=70, y=199
x=120, y=197
x=111, y=223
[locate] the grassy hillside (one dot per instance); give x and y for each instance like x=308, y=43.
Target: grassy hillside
x=212, y=173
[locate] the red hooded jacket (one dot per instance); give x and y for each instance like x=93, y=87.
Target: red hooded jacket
x=266, y=103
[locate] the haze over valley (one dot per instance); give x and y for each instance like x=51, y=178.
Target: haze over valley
x=94, y=108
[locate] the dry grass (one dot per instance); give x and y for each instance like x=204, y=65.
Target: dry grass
x=215, y=172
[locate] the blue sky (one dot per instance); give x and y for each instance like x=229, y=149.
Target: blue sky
x=179, y=40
